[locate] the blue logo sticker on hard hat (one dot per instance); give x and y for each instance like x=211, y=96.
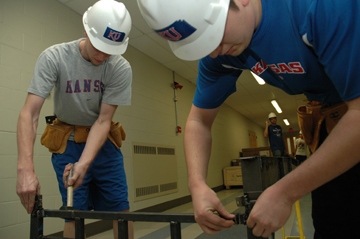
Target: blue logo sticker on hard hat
x=177, y=31
x=113, y=35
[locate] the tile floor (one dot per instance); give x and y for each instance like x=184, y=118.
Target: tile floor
x=152, y=230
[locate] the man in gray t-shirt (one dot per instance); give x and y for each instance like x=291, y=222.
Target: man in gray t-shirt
x=90, y=79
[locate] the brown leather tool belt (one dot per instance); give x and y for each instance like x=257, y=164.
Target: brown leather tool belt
x=313, y=114
x=57, y=133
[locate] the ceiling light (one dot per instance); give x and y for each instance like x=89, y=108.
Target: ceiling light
x=276, y=106
x=258, y=78
x=286, y=121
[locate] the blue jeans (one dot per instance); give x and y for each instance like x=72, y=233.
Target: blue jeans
x=279, y=153
x=344, y=189
x=104, y=187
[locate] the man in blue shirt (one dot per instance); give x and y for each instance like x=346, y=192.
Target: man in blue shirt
x=301, y=46
x=274, y=132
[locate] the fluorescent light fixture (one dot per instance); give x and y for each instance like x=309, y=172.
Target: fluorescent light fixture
x=276, y=106
x=258, y=78
x=286, y=121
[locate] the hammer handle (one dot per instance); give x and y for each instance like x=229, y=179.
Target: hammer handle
x=70, y=189
x=70, y=193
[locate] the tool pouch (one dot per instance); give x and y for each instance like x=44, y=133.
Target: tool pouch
x=333, y=114
x=81, y=133
x=311, y=116
x=56, y=135
x=310, y=119
x=117, y=134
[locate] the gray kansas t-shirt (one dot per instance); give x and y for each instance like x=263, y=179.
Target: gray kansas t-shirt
x=80, y=86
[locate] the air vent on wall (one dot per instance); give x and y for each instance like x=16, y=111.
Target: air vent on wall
x=154, y=170
x=147, y=190
x=168, y=186
x=166, y=151
x=140, y=149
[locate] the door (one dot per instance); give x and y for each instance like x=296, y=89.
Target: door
x=253, y=141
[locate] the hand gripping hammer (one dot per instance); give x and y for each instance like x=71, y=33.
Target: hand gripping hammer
x=70, y=193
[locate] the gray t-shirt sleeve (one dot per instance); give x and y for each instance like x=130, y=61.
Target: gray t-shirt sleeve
x=45, y=75
x=118, y=87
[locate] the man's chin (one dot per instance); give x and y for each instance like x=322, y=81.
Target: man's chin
x=96, y=63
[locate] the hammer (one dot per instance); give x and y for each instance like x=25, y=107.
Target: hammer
x=70, y=193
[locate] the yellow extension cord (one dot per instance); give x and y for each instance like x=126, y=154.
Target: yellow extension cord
x=298, y=215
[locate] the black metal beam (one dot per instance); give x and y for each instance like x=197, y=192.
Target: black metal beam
x=128, y=216
x=79, y=228
x=123, y=230
x=175, y=230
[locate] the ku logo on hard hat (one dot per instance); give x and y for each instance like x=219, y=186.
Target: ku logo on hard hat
x=177, y=31
x=113, y=35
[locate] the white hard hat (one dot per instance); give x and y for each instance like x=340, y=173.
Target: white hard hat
x=193, y=28
x=272, y=115
x=108, y=24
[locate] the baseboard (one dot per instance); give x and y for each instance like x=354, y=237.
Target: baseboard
x=100, y=226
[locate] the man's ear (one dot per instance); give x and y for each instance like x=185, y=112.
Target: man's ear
x=85, y=34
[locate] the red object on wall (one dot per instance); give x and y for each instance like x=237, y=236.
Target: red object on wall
x=178, y=129
x=290, y=130
x=177, y=86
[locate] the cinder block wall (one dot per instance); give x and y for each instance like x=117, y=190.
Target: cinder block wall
x=27, y=27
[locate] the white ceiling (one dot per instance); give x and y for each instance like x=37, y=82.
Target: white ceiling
x=251, y=99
